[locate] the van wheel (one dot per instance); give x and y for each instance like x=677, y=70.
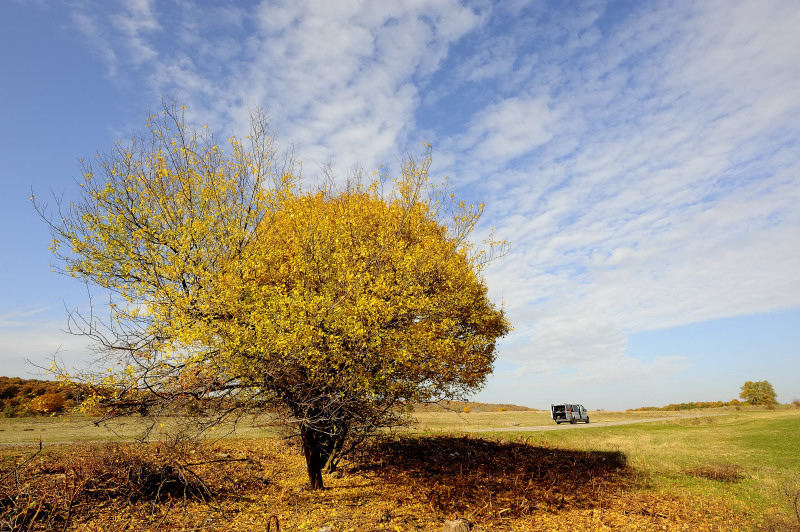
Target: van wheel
x=587, y=420
x=571, y=421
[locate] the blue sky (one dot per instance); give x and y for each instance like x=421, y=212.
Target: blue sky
x=642, y=158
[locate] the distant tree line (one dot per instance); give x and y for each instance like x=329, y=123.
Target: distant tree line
x=688, y=406
x=757, y=393
x=33, y=397
x=30, y=397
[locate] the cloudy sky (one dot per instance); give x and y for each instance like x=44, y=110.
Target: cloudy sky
x=642, y=157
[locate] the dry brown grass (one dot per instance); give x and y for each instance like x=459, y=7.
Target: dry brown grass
x=395, y=484
x=74, y=485
x=490, y=478
x=720, y=472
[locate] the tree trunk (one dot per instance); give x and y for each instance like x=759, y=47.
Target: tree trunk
x=314, y=461
x=336, y=444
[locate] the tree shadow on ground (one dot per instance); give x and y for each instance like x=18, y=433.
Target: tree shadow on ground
x=474, y=476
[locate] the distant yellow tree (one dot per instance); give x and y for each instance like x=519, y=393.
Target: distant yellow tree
x=758, y=393
x=48, y=403
x=240, y=291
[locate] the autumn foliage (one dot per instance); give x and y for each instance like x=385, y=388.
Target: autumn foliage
x=694, y=405
x=49, y=402
x=243, y=289
x=25, y=397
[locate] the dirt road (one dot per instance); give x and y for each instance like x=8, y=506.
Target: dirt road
x=567, y=426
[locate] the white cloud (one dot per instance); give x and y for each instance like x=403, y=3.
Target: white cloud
x=123, y=34
x=19, y=318
x=510, y=128
x=494, y=61
x=88, y=27
x=133, y=24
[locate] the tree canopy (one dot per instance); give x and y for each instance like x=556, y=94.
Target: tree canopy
x=239, y=288
x=758, y=393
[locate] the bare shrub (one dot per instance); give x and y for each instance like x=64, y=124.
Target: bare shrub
x=132, y=473
x=719, y=472
x=787, y=521
x=59, y=488
x=702, y=420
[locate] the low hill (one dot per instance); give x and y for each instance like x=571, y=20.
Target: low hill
x=25, y=397
x=459, y=406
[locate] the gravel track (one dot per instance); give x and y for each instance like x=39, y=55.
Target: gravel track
x=567, y=426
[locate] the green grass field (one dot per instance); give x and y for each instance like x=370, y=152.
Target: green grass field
x=760, y=447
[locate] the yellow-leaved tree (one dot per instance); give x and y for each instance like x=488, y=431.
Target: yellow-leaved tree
x=759, y=393
x=238, y=291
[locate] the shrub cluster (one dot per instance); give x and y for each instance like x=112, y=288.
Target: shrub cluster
x=56, y=491
x=688, y=406
x=730, y=473
x=30, y=397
